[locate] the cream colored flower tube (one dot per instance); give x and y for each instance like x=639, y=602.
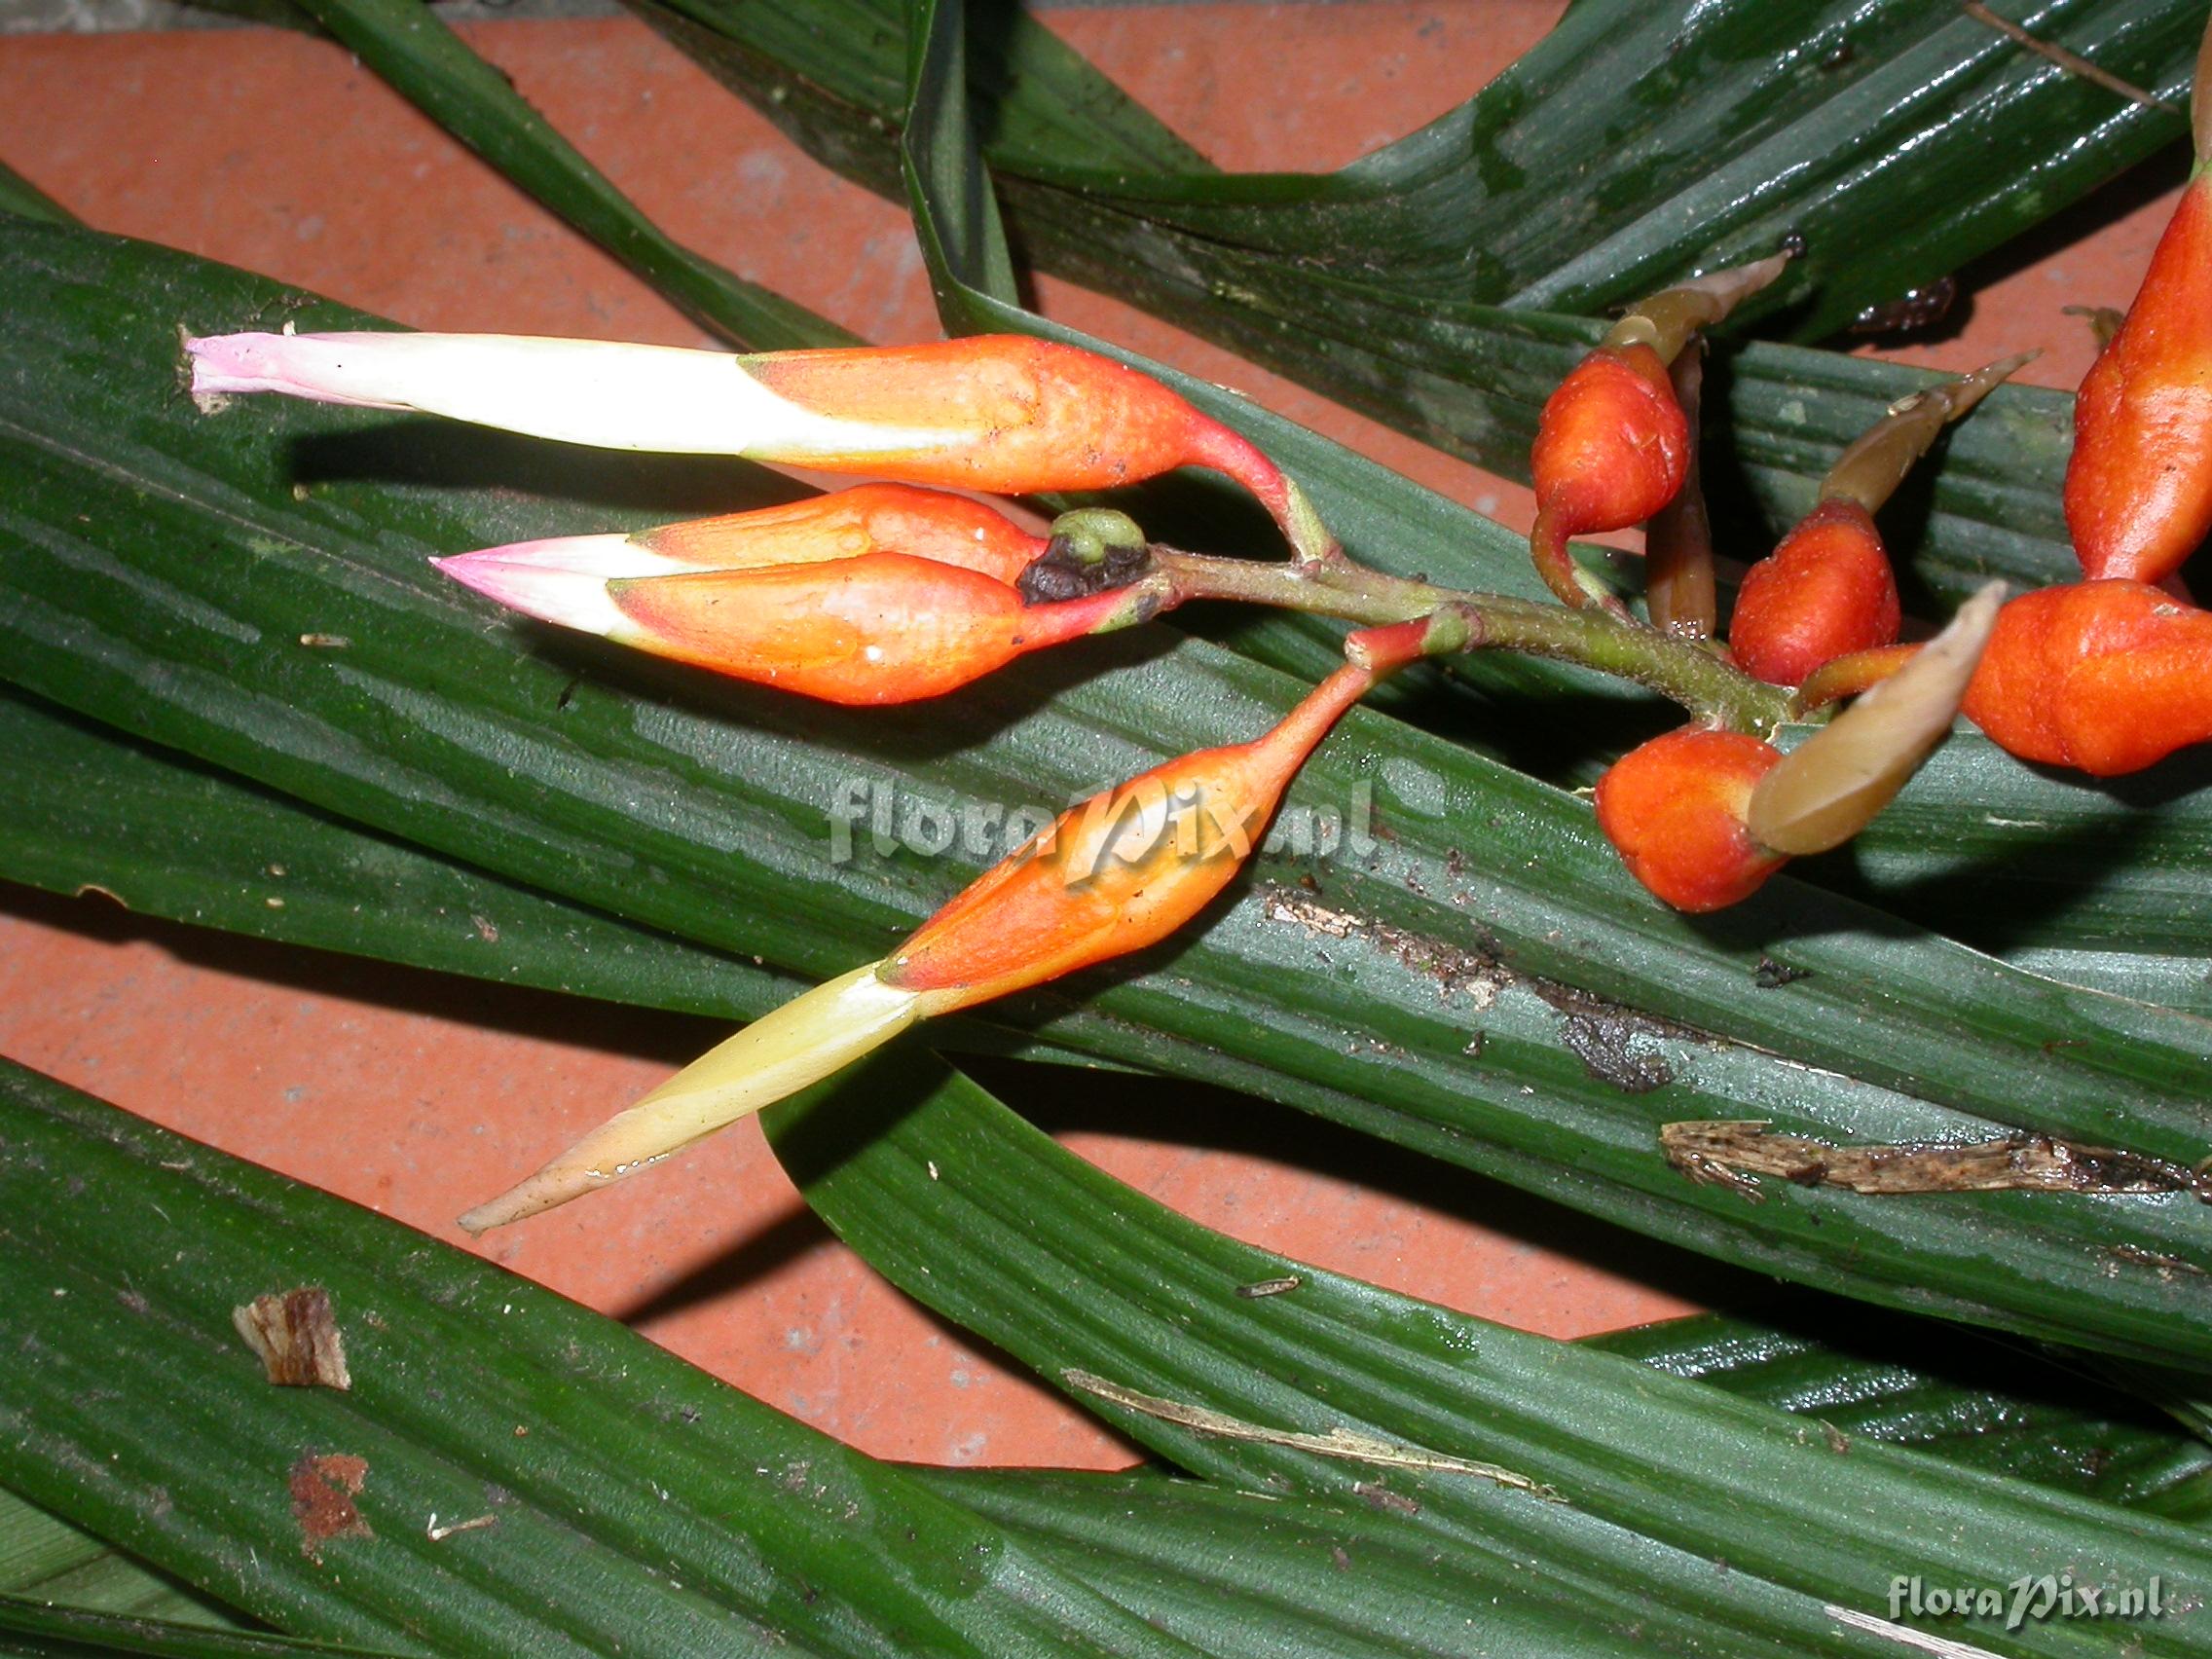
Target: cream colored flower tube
x=778, y=1054
x=663, y=399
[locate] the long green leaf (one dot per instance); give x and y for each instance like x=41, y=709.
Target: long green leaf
x=991, y=1224
x=633, y=1464
x=90, y=810
x=1487, y=986
x=32, y=1628
x=180, y=841
x=46, y=1561
x=1953, y=1394
x=17, y=195
x=643, y=1507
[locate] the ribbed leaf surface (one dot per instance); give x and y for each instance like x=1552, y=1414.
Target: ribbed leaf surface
x=1486, y=985
x=993, y=1225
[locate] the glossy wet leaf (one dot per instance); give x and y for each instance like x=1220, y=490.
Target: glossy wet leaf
x=1484, y=984
x=1432, y=284
x=1653, y=1476
x=675, y=1515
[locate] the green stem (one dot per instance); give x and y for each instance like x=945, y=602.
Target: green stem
x=1692, y=676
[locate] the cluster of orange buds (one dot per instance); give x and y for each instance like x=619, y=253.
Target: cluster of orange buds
x=1704, y=815
x=2113, y=674
x=883, y=593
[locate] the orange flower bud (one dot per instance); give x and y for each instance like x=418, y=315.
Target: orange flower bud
x=2107, y=676
x=1120, y=873
x=2139, y=484
x=1612, y=446
x=882, y=627
x=1674, y=809
x=1826, y=591
x=884, y=594
x=999, y=413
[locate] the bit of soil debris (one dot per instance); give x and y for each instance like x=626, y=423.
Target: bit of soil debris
x=1731, y=1153
x=1914, y=310
x=296, y=1338
x=323, y=1489
x=1600, y=1033
x=1772, y=975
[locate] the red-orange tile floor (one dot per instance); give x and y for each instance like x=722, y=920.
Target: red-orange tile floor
x=420, y=1097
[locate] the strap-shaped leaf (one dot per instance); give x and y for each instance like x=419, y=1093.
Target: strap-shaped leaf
x=1487, y=986
x=1957, y=1395
x=17, y=195
x=646, y=1508
x=406, y=43
x=636, y=1463
x=1090, y=1285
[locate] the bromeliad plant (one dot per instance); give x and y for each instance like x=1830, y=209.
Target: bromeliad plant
x=890, y=593
x=1596, y=1019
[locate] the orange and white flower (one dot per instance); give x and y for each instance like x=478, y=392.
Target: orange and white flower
x=999, y=413
x=880, y=593
x=1121, y=871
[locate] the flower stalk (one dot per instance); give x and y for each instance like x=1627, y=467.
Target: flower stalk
x=1680, y=669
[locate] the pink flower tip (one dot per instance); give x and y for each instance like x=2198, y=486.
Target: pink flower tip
x=226, y=364
x=561, y=580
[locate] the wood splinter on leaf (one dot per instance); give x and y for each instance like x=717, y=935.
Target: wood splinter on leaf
x=1730, y=1151
x=296, y=1338
x=1349, y=1444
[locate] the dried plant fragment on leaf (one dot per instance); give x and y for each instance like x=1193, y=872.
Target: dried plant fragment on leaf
x=1728, y=1153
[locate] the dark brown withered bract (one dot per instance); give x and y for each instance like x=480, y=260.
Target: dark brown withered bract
x=1059, y=573
x=296, y=1338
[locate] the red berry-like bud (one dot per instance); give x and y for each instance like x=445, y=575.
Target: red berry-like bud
x=2107, y=676
x=1674, y=809
x=1612, y=446
x=1827, y=590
